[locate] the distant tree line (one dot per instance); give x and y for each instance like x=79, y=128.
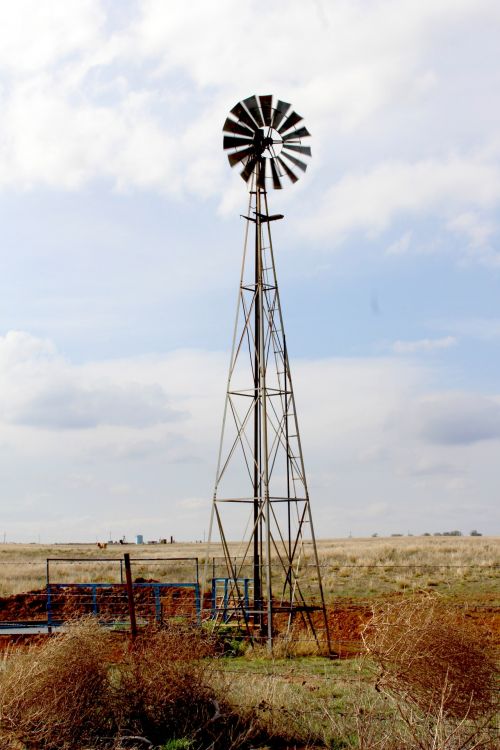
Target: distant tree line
x=455, y=532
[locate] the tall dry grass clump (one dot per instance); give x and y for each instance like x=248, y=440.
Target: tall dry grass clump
x=58, y=695
x=164, y=685
x=83, y=688
x=432, y=658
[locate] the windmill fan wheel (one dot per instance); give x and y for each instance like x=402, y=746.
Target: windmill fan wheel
x=264, y=138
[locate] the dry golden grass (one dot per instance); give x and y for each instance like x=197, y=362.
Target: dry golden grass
x=425, y=550
x=461, y=566
x=23, y=567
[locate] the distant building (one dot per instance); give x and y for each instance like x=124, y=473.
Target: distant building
x=139, y=539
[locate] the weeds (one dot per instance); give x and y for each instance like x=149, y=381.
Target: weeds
x=440, y=673
x=83, y=687
x=163, y=689
x=427, y=682
x=59, y=695
x=429, y=655
x=297, y=642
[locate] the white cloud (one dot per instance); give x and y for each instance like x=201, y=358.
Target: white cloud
x=34, y=36
x=360, y=434
x=424, y=345
x=48, y=140
x=74, y=108
x=459, y=418
x=352, y=58
x=401, y=245
x=482, y=329
x=370, y=201
x=39, y=389
x=477, y=231
x=68, y=405
x=427, y=467
x=133, y=95
x=195, y=503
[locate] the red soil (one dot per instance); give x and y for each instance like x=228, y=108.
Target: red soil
x=346, y=618
x=112, y=603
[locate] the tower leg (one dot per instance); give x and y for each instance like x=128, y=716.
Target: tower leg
x=257, y=483
x=260, y=428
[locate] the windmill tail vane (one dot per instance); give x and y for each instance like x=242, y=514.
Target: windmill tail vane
x=270, y=580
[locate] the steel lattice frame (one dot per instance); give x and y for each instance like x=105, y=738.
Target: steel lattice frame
x=260, y=463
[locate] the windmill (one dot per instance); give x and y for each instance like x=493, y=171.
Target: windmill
x=274, y=577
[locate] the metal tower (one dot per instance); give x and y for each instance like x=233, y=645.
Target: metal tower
x=272, y=577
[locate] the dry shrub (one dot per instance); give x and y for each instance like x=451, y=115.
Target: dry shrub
x=58, y=694
x=432, y=658
x=164, y=684
x=80, y=689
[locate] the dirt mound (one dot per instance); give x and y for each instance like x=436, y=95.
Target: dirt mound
x=109, y=602
x=346, y=619
x=29, y=606
x=345, y=623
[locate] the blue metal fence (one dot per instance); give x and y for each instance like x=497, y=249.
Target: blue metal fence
x=223, y=606
x=155, y=587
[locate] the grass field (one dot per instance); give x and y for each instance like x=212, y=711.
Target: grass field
x=75, y=690
x=300, y=701
x=464, y=567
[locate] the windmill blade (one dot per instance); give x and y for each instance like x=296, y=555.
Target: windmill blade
x=239, y=156
x=253, y=107
x=251, y=141
x=279, y=113
x=290, y=121
x=298, y=134
x=287, y=169
x=300, y=149
x=300, y=164
x=275, y=175
x=231, y=141
x=240, y=112
x=249, y=167
x=230, y=126
x=266, y=104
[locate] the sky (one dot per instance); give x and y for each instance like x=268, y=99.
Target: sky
x=121, y=243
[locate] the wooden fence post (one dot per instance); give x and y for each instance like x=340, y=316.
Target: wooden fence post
x=130, y=596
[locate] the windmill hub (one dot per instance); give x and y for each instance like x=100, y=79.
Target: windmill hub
x=262, y=136
x=268, y=142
